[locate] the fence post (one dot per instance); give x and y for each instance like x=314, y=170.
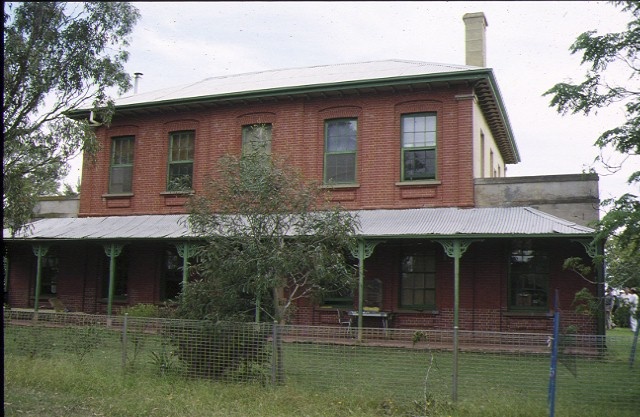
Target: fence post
x=124, y=341
x=634, y=345
x=274, y=355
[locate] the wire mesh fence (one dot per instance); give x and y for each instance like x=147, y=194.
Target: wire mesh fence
x=386, y=364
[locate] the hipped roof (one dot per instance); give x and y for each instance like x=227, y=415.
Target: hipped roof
x=373, y=224
x=323, y=81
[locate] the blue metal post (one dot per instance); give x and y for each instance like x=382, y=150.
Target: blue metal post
x=554, y=358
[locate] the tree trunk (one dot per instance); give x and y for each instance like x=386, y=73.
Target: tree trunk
x=278, y=358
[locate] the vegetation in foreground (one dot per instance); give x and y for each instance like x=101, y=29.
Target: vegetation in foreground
x=90, y=385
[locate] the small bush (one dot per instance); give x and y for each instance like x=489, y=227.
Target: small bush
x=220, y=350
x=144, y=310
x=84, y=340
x=621, y=316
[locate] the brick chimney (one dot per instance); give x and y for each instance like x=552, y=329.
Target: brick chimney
x=475, y=39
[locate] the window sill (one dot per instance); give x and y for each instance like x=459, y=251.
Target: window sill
x=119, y=195
x=177, y=193
x=529, y=314
x=414, y=311
x=419, y=183
x=340, y=186
x=118, y=300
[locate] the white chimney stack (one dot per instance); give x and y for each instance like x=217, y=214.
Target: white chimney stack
x=136, y=81
x=475, y=39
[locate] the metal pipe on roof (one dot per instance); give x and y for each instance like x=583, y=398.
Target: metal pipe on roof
x=136, y=81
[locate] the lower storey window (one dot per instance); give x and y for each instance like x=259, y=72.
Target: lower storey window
x=418, y=280
x=49, y=274
x=172, y=279
x=528, y=276
x=338, y=299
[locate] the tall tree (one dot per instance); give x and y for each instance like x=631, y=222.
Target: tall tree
x=623, y=265
x=600, y=89
x=270, y=236
x=58, y=56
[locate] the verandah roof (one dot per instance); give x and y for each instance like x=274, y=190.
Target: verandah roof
x=374, y=224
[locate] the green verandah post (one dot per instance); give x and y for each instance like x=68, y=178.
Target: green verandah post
x=40, y=251
x=455, y=249
x=362, y=252
x=112, y=250
x=185, y=251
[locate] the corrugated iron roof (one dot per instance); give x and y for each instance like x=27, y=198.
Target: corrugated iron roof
x=466, y=222
x=293, y=77
x=424, y=222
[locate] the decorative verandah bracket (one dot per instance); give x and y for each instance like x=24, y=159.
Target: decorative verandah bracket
x=362, y=251
x=39, y=251
x=590, y=246
x=459, y=246
x=112, y=250
x=455, y=248
x=185, y=251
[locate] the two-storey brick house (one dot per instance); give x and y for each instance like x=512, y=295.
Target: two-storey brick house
x=419, y=150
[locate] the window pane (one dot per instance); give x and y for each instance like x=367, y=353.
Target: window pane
x=341, y=135
x=122, y=151
x=180, y=176
x=419, y=130
x=430, y=297
x=430, y=281
x=419, y=164
x=418, y=298
x=120, y=181
x=256, y=138
x=406, y=298
x=340, y=168
x=181, y=144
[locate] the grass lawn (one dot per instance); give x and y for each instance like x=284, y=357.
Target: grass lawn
x=321, y=380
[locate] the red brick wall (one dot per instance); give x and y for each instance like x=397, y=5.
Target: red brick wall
x=483, y=291
x=483, y=286
x=298, y=135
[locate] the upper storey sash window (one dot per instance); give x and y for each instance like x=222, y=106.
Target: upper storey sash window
x=181, y=150
x=418, y=133
x=121, y=169
x=340, y=151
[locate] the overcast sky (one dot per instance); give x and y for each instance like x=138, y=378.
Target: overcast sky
x=527, y=46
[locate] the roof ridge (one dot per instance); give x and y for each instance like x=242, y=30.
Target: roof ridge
x=175, y=88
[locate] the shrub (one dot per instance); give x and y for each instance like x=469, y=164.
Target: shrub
x=145, y=310
x=220, y=350
x=621, y=316
x=84, y=340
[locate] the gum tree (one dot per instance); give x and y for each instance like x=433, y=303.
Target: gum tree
x=599, y=89
x=58, y=56
x=271, y=238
